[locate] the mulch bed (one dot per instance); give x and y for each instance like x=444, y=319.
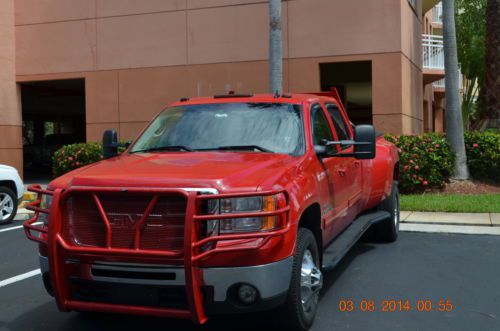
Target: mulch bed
x=468, y=187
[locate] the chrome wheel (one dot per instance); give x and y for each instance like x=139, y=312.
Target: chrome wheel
x=396, y=210
x=6, y=206
x=311, y=281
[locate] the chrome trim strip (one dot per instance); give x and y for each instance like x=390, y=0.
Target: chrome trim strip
x=204, y=190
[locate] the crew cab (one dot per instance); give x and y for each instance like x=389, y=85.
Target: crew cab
x=224, y=204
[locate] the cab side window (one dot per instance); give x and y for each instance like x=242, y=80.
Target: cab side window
x=338, y=122
x=320, y=128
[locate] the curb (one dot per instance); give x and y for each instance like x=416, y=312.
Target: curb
x=23, y=214
x=457, y=223
x=27, y=198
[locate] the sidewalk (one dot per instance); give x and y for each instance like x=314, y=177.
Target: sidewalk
x=464, y=223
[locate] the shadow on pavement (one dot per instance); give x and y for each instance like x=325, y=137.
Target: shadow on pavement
x=330, y=277
x=47, y=317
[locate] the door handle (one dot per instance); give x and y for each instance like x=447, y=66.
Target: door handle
x=357, y=163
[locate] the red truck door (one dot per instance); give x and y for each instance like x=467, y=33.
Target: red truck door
x=351, y=166
x=332, y=180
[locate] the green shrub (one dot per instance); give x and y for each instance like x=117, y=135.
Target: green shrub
x=425, y=161
x=71, y=157
x=483, y=155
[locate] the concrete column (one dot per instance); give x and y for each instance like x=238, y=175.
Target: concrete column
x=11, y=152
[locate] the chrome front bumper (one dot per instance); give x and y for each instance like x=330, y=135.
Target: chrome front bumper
x=271, y=280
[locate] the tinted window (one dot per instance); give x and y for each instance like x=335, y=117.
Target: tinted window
x=321, y=129
x=338, y=122
x=274, y=126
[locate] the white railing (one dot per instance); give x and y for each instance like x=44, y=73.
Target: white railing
x=442, y=84
x=433, y=51
x=437, y=14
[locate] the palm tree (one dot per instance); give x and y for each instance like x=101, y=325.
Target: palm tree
x=275, y=47
x=491, y=91
x=454, y=126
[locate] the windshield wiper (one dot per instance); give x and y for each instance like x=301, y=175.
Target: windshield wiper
x=243, y=148
x=164, y=148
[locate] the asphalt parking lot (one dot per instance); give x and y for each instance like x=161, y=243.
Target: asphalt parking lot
x=460, y=270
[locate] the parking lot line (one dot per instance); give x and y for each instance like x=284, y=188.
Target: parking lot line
x=19, y=277
x=17, y=227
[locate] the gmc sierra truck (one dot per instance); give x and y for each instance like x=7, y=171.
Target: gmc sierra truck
x=224, y=204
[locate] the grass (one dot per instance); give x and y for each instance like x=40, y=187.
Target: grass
x=457, y=203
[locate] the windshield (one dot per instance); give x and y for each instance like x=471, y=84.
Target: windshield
x=264, y=127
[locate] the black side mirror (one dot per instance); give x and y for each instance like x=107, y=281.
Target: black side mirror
x=364, y=142
x=109, y=144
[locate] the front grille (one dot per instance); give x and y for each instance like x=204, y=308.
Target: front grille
x=163, y=229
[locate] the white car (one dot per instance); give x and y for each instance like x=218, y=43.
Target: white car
x=11, y=193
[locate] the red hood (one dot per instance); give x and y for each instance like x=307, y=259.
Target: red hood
x=225, y=171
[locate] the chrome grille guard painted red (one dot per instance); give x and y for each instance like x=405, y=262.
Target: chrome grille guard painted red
x=190, y=256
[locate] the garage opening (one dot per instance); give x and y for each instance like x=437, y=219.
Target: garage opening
x=353, y=80
x=53, y=115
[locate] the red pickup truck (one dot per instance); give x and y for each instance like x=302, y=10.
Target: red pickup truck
x=224, y=204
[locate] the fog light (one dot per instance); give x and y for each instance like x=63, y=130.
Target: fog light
x=247, y=294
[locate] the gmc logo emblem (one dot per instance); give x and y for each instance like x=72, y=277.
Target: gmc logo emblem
x=123, y=220
x=127, y=221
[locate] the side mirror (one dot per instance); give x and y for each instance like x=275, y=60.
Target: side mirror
x=109, y=144
x=364, y=142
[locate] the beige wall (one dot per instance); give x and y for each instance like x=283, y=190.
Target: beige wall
x=138, y=56
x=56, y=36
x=10, y=114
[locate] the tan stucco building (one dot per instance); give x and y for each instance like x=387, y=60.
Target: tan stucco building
x=89, y=65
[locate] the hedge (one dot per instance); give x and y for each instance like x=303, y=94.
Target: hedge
x=74, y=156
x=426, y=161
x=483, y=155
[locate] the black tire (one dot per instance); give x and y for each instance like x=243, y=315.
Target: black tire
x=7, y=191
x=387, y=230
x=47, y=283
x=292, y=315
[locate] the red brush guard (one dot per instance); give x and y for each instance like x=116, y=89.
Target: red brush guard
x=139, y=223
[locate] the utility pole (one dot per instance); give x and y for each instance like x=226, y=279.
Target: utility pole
x=275, y=48
x=454, y=124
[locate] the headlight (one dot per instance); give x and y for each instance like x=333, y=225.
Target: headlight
x=243, y=205
x=46, y=203
x=238, y=205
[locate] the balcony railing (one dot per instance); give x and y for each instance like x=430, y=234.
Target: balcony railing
x=437, y=14
x=441, y=83
x=433, y=52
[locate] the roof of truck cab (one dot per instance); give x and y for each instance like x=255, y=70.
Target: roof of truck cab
x=293, y=98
